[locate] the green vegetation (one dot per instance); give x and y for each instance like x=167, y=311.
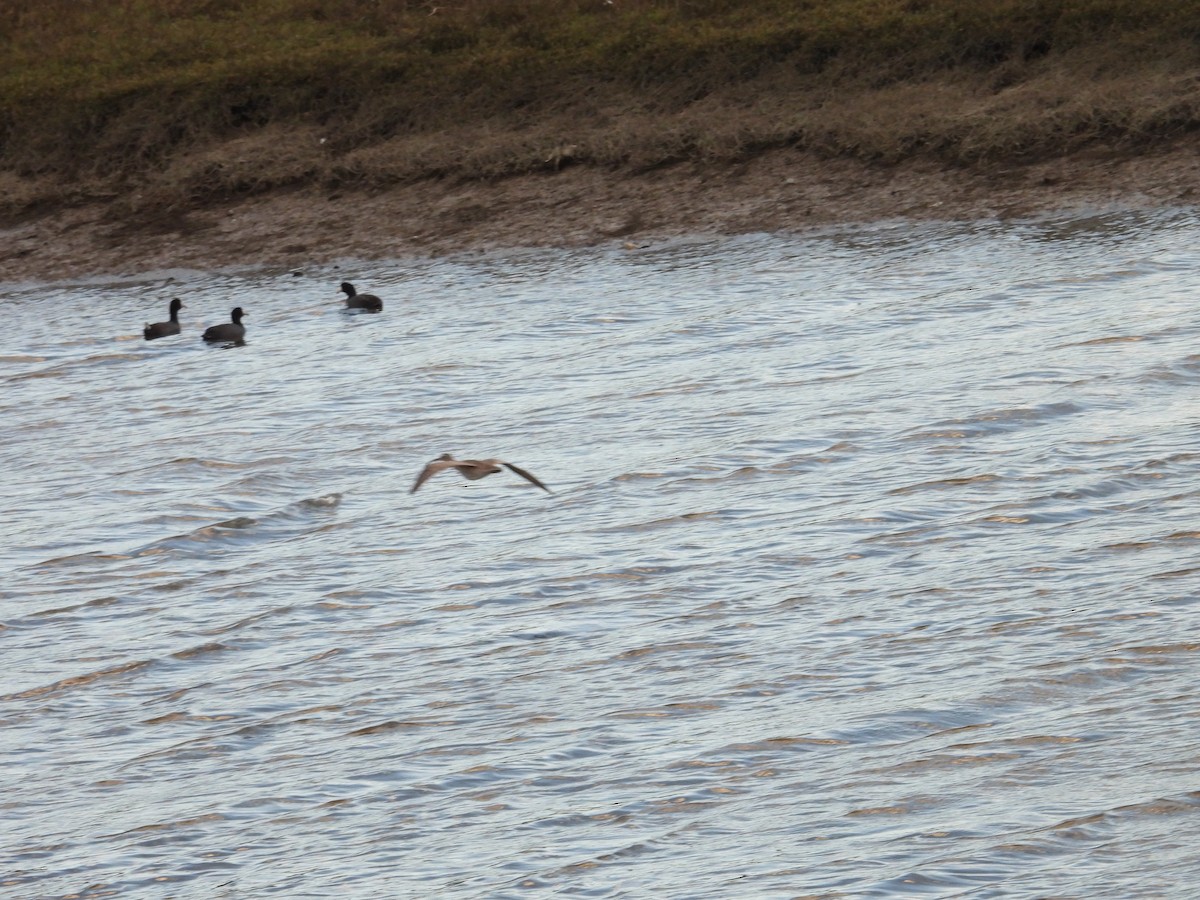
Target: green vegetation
x=186, y=100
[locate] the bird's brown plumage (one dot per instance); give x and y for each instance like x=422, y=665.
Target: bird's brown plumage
x=472, y=470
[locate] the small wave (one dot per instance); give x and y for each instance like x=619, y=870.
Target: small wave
x=255, y=462
x=940, y=483
x=201, y=650
x=1000, y=421
x=169, y=826
x=205, y=463
x=740, y=473
x=664, y=522
x=68, y=367
x=1184, y=372
x=1177, y=573
x=394, y=725
x=295, y=518
x=1115, y=339
x=243, y=623
x=328, y=501
x=76, y=607
x=81, y=559
x=63, y=685
x=239, y=522
x=690, y=387
x=1149, y=543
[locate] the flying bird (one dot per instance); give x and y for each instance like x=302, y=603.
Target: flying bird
x=472, y=470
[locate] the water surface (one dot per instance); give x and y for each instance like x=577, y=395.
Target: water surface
x=869, y=572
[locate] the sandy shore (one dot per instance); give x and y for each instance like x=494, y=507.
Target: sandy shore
x=779, y=190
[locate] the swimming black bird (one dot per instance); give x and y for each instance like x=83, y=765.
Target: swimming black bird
x=355, y=300
x=230, y=331
x=472, y=470
x=164, y=329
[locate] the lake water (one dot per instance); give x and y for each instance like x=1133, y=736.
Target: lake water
x=869, y=571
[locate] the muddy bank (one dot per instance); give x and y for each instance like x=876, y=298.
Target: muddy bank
x=581, y=205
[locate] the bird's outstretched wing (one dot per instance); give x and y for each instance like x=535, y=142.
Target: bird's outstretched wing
x=527, y=476
x=429, y=471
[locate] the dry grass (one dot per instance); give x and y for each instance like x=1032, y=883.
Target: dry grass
x=160, y=103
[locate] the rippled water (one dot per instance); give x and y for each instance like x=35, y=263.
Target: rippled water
x=869, y=572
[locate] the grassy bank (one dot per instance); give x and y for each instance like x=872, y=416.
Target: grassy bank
x=168, y=102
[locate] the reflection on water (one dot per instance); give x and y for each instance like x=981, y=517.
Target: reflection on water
x=869, y=572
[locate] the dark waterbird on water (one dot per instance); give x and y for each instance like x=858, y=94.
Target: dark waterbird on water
x=472, y=470
x=233, y=331
x=164, y=329
x=355, y=300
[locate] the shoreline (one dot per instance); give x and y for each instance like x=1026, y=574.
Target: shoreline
x=776, y=190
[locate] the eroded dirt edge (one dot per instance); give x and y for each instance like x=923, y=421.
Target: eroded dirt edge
x=780, y=190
